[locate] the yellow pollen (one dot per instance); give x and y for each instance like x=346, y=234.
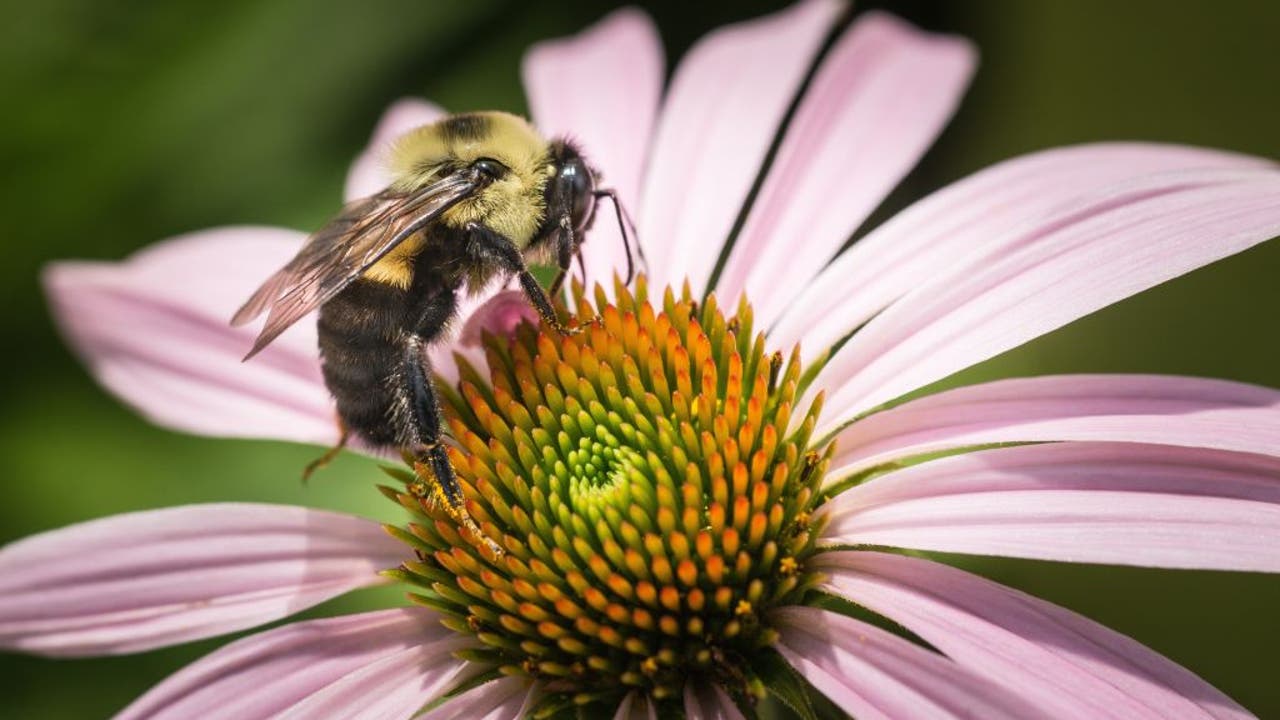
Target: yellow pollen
x=787, y=566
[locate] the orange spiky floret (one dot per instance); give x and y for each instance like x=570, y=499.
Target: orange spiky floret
x=647, y=495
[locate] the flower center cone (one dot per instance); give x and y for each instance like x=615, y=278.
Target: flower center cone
x=650, y=502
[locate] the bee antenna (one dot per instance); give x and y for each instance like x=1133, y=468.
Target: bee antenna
x=622, y=213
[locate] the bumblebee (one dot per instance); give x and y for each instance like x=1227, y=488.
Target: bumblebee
x=473, y=196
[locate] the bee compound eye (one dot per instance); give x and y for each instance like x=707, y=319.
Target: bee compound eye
x=490, y=168
x=584, y=207
x=582, y=188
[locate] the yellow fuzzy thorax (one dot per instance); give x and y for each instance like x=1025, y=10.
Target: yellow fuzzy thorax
x=512, y=205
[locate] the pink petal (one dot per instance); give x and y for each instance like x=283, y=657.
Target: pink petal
x=154, y=330
x=1064, y=267
x=724, y=107
x=505, y=699
x=1118, y=503
x=707, y=701
x=875, y=105
x=1065, y=664
x=601, y=88
x=280, y=671
x=636, y=706
x=394, y=686
x=870, y=673
x=368, y=173
x=133, y=582
x=1164, y=409
x=964, y=225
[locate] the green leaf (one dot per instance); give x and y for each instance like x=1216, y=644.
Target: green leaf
x=784, y=683
x=404, y=475
x=483, y=678
x=553, y=706
x=745, y=706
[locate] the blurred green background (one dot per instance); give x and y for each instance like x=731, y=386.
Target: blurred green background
x=124, y=123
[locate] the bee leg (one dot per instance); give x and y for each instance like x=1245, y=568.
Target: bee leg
x=538, y=298
x=423, y=412
x=564, y=257
x=558, y=282
x=329, y=455
x=489, y=245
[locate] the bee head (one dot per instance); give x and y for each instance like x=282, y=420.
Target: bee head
x=570, y=197
x=573, y=187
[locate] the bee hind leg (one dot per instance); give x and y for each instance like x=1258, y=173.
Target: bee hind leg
x=329, y=455
x=419, y=418
x=430, y=460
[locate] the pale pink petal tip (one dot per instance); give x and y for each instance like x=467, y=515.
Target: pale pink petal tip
x=499, y=316
x=635, y=706
x=725, y=103
x=707, y=701
x=620, y=61
x=878, y=100
x=154, y=330
x=384, y=664
x=1065, y=665
x=143, y=580
x=966, y=224
x=869, y=672
x=368, y=173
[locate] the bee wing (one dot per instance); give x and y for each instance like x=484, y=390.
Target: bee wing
x=344, y=249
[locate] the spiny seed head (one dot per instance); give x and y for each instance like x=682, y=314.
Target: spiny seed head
x=650, y=504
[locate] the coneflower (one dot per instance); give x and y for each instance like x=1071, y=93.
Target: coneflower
x=701, y=500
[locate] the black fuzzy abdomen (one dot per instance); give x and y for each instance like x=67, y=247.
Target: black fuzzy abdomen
x=362, y=334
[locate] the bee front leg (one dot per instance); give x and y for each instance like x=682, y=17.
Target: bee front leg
x=564, y=254
x=492, y=246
